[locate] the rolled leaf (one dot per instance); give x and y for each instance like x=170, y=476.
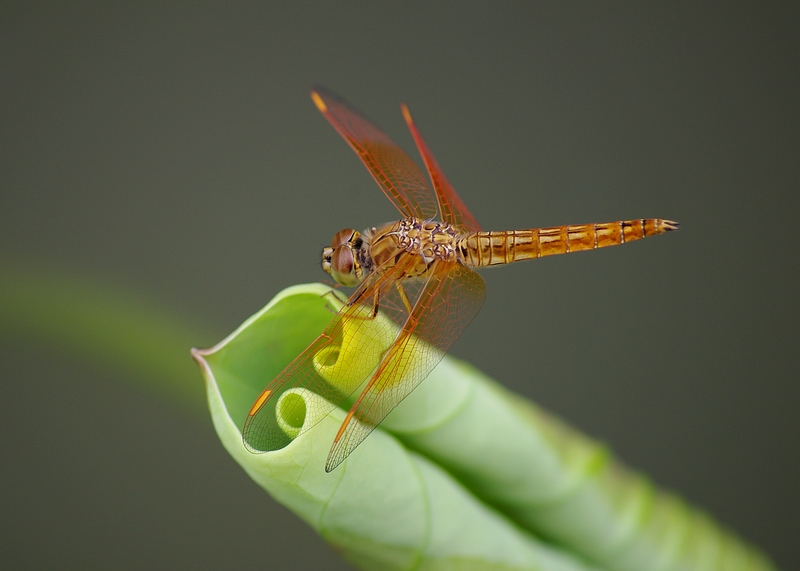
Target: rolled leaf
x=460, y=475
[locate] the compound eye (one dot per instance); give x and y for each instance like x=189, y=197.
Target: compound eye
x=343, y=266
x=342, y=261
x=342, y=237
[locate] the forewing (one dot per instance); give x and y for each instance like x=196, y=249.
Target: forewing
x=451, y=208
x=398, y=176
x=447, y=303
x=351, y=333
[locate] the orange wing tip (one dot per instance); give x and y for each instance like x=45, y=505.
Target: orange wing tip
x=406, y=114
x=315, y=97
x=259, y=402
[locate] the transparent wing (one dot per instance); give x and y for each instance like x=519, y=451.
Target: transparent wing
x=444, y=307
x=398, y=176
x=451, y=207
x=348, y=351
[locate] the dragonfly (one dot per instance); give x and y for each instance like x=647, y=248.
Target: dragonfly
x=416, y=290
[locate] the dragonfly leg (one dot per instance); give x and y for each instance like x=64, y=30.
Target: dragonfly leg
x=373, y=312
x=375, y=303
x=403, y=296
x=333, y=294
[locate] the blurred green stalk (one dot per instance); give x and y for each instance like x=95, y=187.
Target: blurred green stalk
x=104, y=324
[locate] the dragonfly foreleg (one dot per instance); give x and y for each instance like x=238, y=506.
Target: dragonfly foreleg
x=333, y=294
x=373, y=312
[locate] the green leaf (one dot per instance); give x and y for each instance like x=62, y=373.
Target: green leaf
x=461, y=475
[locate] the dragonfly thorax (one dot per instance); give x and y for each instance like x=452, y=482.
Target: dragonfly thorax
x=428, y=239
x=353, y=255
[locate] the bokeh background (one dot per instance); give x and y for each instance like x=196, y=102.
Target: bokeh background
x=171, y=150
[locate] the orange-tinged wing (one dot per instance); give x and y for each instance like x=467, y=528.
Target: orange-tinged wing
x=398, y=176
x=346, y=353
x=444, y=307
x=451, y=208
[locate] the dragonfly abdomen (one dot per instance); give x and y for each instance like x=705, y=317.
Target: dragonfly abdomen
x=482, y=249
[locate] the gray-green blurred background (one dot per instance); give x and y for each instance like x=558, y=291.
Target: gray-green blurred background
x=171, y=149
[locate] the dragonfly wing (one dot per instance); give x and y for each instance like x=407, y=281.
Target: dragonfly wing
x=446, y=304
x=398, y=176
x=451, y=208
x=347, y=351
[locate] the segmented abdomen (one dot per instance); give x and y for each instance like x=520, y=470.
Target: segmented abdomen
x=481, y=249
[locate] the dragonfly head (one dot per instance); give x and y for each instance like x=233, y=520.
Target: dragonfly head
x=340, y=259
